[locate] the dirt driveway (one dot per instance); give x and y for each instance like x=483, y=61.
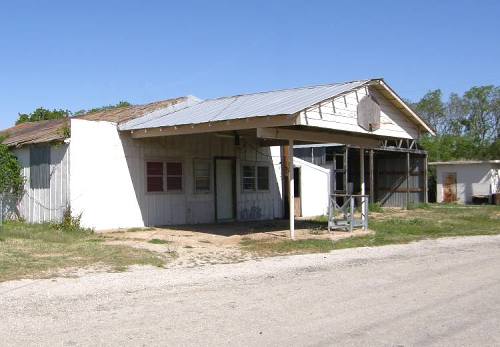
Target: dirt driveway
x=195, y=245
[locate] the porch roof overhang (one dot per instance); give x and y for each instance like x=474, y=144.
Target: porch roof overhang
x=280, y=108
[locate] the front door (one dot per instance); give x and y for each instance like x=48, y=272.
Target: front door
x=450, y=187
x=224, y=189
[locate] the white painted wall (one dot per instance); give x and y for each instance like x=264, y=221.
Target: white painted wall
x=472, y=179
x=341, y=114
x=315, y=189
x=39, y=205
x=108, y=178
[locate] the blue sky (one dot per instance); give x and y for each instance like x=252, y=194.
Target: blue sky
x=76, y=55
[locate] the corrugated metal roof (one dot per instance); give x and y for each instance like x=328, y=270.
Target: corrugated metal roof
x=279, y=102
x=465, y=162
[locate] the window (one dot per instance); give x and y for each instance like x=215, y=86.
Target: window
x=201, y=175
x=248, y=177
x=263, y=178
x=174, y=176
x=40, y=166
x=154, y=173
x=161, y=176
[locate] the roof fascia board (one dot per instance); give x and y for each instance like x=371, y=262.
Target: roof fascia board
x=316, y=136
x=226, y=125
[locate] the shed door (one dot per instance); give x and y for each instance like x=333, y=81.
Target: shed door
x=224, y=189
x=450, y=187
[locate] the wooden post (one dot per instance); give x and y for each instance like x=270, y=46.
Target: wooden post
x=291, y=198
x=407, y=180
x=362, y=170
x=346, y=168
x=362, y=179
x=426, y=178
x=372, y=179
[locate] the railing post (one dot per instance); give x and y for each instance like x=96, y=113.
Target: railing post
x=352, y=214
x=365, y=216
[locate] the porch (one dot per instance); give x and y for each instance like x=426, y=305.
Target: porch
x=359, y=113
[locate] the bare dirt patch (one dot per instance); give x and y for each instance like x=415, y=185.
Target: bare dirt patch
x=196, y=245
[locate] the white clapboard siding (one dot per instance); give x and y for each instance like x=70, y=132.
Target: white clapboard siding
x=341, y=114
x=40, y=205
x=108, y=178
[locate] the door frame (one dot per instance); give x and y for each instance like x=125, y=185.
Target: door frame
x=233, y=183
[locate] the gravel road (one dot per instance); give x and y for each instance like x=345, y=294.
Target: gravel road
x=436, y=292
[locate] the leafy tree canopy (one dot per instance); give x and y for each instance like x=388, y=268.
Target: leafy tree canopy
x=104, y=108
x=42, y=114
x=467, y=126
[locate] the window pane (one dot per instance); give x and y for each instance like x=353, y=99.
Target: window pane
x=339, y=162
x=329, y=154
x=174, y=169
x=263, y=178
x=155, y=169
x=201, y=175
x=248, y=177
x=202, y=184
x=248, y=171
x=249, y=183
x=202, y=168
x=174, y=183
x=155, y=184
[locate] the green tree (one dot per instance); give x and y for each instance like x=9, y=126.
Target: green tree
x=479, y=109
x=432, y=108
x=42, y=114
x=11, y=179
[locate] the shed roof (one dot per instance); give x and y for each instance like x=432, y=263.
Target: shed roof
x=55, y=130
x=278, y=102
x=465, y=162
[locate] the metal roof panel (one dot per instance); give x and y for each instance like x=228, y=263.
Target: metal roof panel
x=279, y=102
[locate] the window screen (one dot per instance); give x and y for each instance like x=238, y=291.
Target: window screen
x=174, y=176
x=263, y=178
x=40, y=166
x=154, y=172
x=202, y=175
x=248, y=177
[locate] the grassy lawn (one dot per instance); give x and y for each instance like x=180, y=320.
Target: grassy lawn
x=34, y=251
x=393, y=227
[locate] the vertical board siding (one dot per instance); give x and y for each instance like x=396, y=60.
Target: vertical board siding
x=391, y=174
x=341, y=114
x=118, y=197
x=47, y=202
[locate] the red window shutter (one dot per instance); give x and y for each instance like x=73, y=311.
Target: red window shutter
x=155, y=168
x=174, y=169
x=154, y=173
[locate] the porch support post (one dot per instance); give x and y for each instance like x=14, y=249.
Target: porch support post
x=363, y=188
x=426, y=178
x=362, y=169
x=407, y=180
x=372, y=179
x=291, y=197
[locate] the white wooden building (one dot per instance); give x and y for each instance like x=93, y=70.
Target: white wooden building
x=467, y=180
x=187, y=160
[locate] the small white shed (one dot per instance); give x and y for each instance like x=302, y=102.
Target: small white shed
x=311, y=189
x=461, y=181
